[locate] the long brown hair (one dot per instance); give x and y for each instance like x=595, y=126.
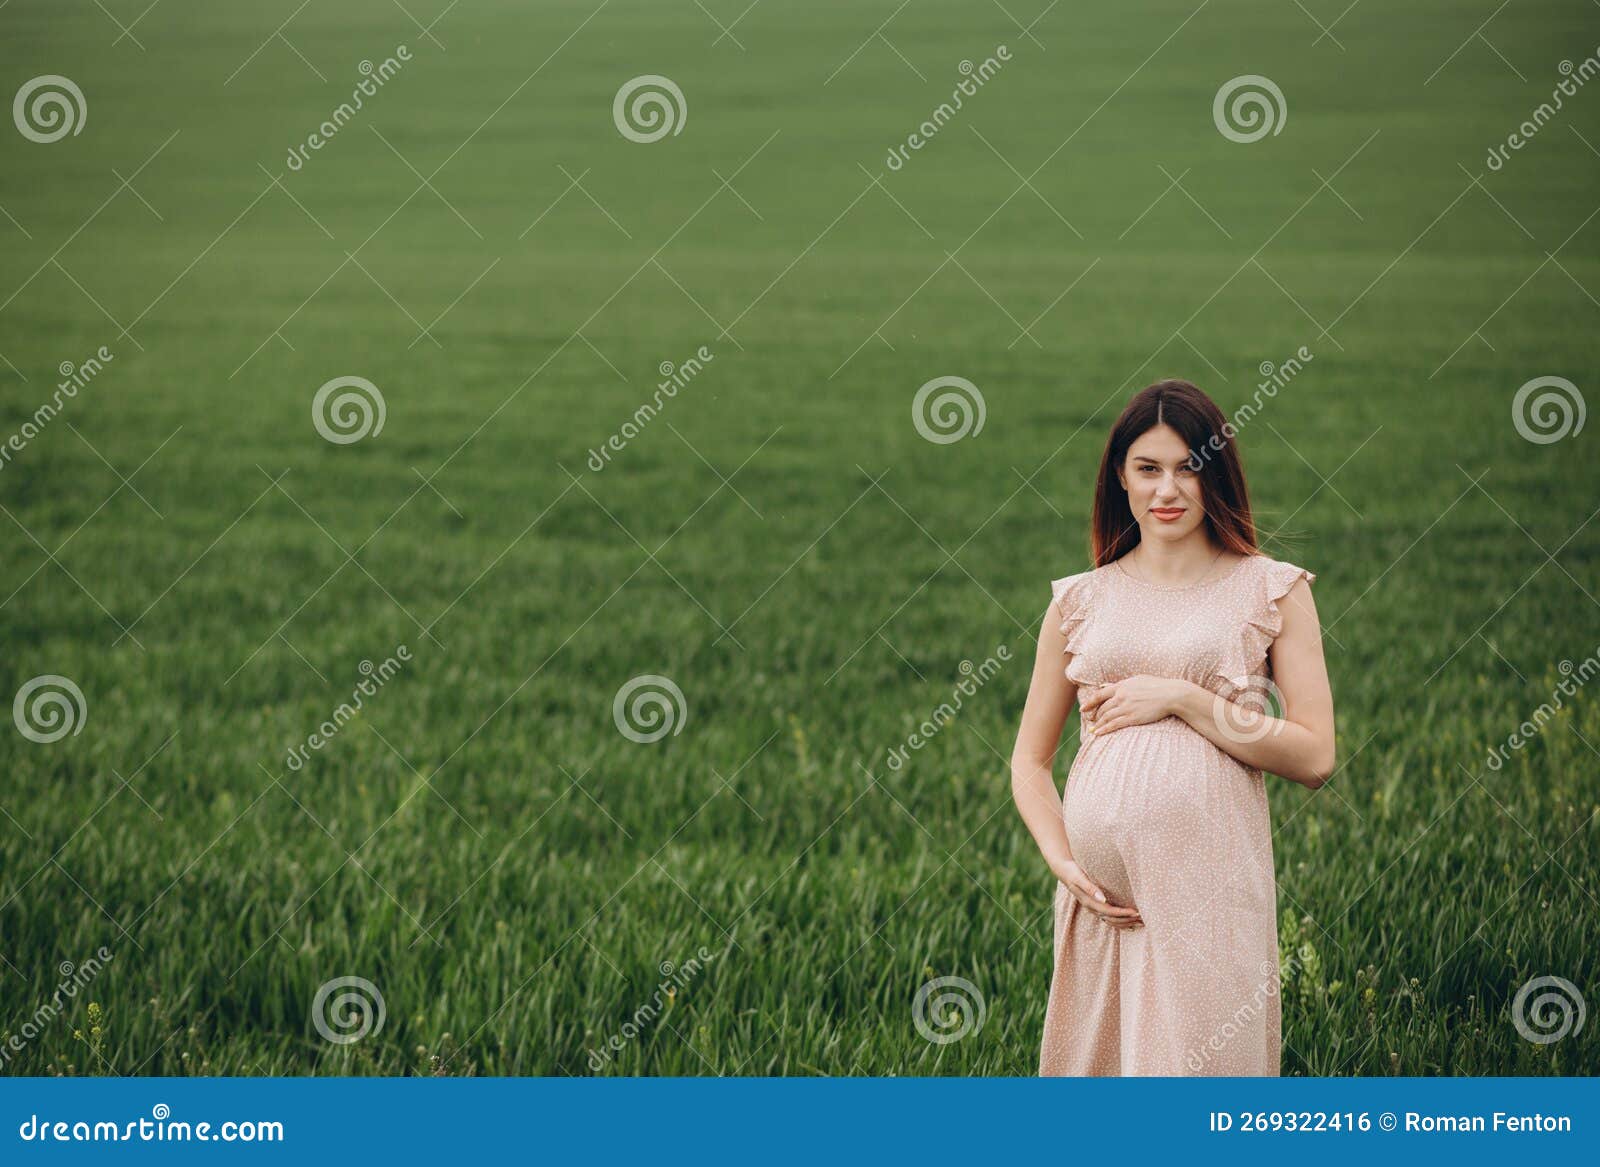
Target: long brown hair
x=1113, y=530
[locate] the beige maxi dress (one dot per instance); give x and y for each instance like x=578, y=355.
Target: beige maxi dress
x=1160, y=818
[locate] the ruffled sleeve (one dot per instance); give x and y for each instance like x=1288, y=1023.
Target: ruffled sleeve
x=1074, y=599
x=1272, y=580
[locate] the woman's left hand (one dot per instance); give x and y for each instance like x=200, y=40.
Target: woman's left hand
x=1136, y=700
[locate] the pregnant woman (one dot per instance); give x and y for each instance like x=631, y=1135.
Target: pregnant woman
x=1166, y=939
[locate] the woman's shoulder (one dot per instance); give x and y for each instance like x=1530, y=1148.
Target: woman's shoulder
x=1271, y=581
x=1073, y=599
x=1277, y=576
x=1078, y=589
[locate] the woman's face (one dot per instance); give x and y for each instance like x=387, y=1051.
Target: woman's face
x=1163, y=486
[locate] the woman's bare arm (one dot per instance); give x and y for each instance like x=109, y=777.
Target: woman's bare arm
x=1300, y=745
x=1050, y=697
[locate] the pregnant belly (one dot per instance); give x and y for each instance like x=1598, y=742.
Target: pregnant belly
x=1156, y=795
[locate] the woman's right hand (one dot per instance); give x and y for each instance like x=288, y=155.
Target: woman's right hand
x=1083, y=889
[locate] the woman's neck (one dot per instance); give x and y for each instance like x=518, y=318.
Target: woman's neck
x=1189, y=560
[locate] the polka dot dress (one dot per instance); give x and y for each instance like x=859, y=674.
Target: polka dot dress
x=1161, y=819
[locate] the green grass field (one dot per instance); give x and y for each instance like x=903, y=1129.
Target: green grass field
x=480, y=242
